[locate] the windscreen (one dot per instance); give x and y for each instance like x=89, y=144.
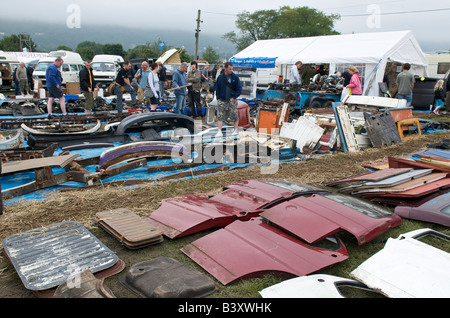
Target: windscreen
x=103, y=67
x=42, y=66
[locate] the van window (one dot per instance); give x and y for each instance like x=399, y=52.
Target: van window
x=73, y=68
x=443, y=67
x=65, y=68
x=42, y=66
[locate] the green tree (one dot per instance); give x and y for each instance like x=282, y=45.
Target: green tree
x=11, y=43
x=86, y=53
x=283, y=23
x=95, y=48
x=253, y=27
x=210, y=55
x=303, y=22
x=141, y=51
x=114, y=49
x=64, y=47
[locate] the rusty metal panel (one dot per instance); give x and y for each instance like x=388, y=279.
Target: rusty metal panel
x=440, y=154
x=373, y=176
x=31, y=164
x=130, y=229
x=408, y=185
x=406, y=163
x=418, y=191
x=46, y=257
x=253, y=248
x=316, y=217
x=140, y=149
x=388, y=182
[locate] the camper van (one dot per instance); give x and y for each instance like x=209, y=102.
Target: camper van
x=438, y=64
x=73, y=63
x=105, y=68
x=8, y=63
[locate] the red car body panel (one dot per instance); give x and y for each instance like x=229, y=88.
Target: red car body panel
x=316, y=217
x=188, y=214
x=435, y=210
x=254, y=248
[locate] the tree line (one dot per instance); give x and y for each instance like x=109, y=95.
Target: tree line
x=285, y=22
x=88, y=49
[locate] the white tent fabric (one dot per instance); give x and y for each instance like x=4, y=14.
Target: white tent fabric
x=373, y=50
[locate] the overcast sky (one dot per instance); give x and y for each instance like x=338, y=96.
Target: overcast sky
x=429, y=20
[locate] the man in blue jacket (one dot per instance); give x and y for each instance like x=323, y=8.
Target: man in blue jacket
x=54, y=79
x=228, y=89
x=179, y=83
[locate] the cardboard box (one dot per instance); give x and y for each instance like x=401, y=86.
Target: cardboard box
x=73, y=88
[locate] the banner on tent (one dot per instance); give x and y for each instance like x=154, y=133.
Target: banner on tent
x=254, y=62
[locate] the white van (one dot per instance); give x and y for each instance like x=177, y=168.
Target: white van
x=8, y=63
x=438, y=64
x=105, y=68
x=73, y=64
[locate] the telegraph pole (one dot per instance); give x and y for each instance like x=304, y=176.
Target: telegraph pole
x=197, y=32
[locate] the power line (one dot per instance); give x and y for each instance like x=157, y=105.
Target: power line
x=391, y=13
x=233, y=14
x=356, y=15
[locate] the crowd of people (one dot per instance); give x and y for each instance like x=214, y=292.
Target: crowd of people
x=23, y=79
x=147, y=85
x=353, y=83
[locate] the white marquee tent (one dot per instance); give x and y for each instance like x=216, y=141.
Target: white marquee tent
x=370, y=51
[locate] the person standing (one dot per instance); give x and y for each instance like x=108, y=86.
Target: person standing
x=355, y=81
x=16, y=83
x=30, y=71
x=439, y=96
x=88, y=85
x=295, y=77
x=142, y=77
x=152, y=88
x=123, y=84
x=22, y=77
x=162, y=75
x=179, y=83
x=228, y=89
x=194, y=77
x=205, y=78
x=405, y=84
x=53, y=81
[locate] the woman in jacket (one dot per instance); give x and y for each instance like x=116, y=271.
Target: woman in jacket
x=152, y=89
x=355, y=81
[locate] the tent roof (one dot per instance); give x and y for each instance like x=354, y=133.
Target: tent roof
x=399, y=46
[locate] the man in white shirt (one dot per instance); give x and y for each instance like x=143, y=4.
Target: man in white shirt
x=295, y=77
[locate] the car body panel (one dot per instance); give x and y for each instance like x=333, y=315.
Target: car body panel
x=311, y=286
x=435, y=210
x=253, y=248
x=188, y=214
x=408, y=268
x=315, y=217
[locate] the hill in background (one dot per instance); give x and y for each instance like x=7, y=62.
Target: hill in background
x=49, y=36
